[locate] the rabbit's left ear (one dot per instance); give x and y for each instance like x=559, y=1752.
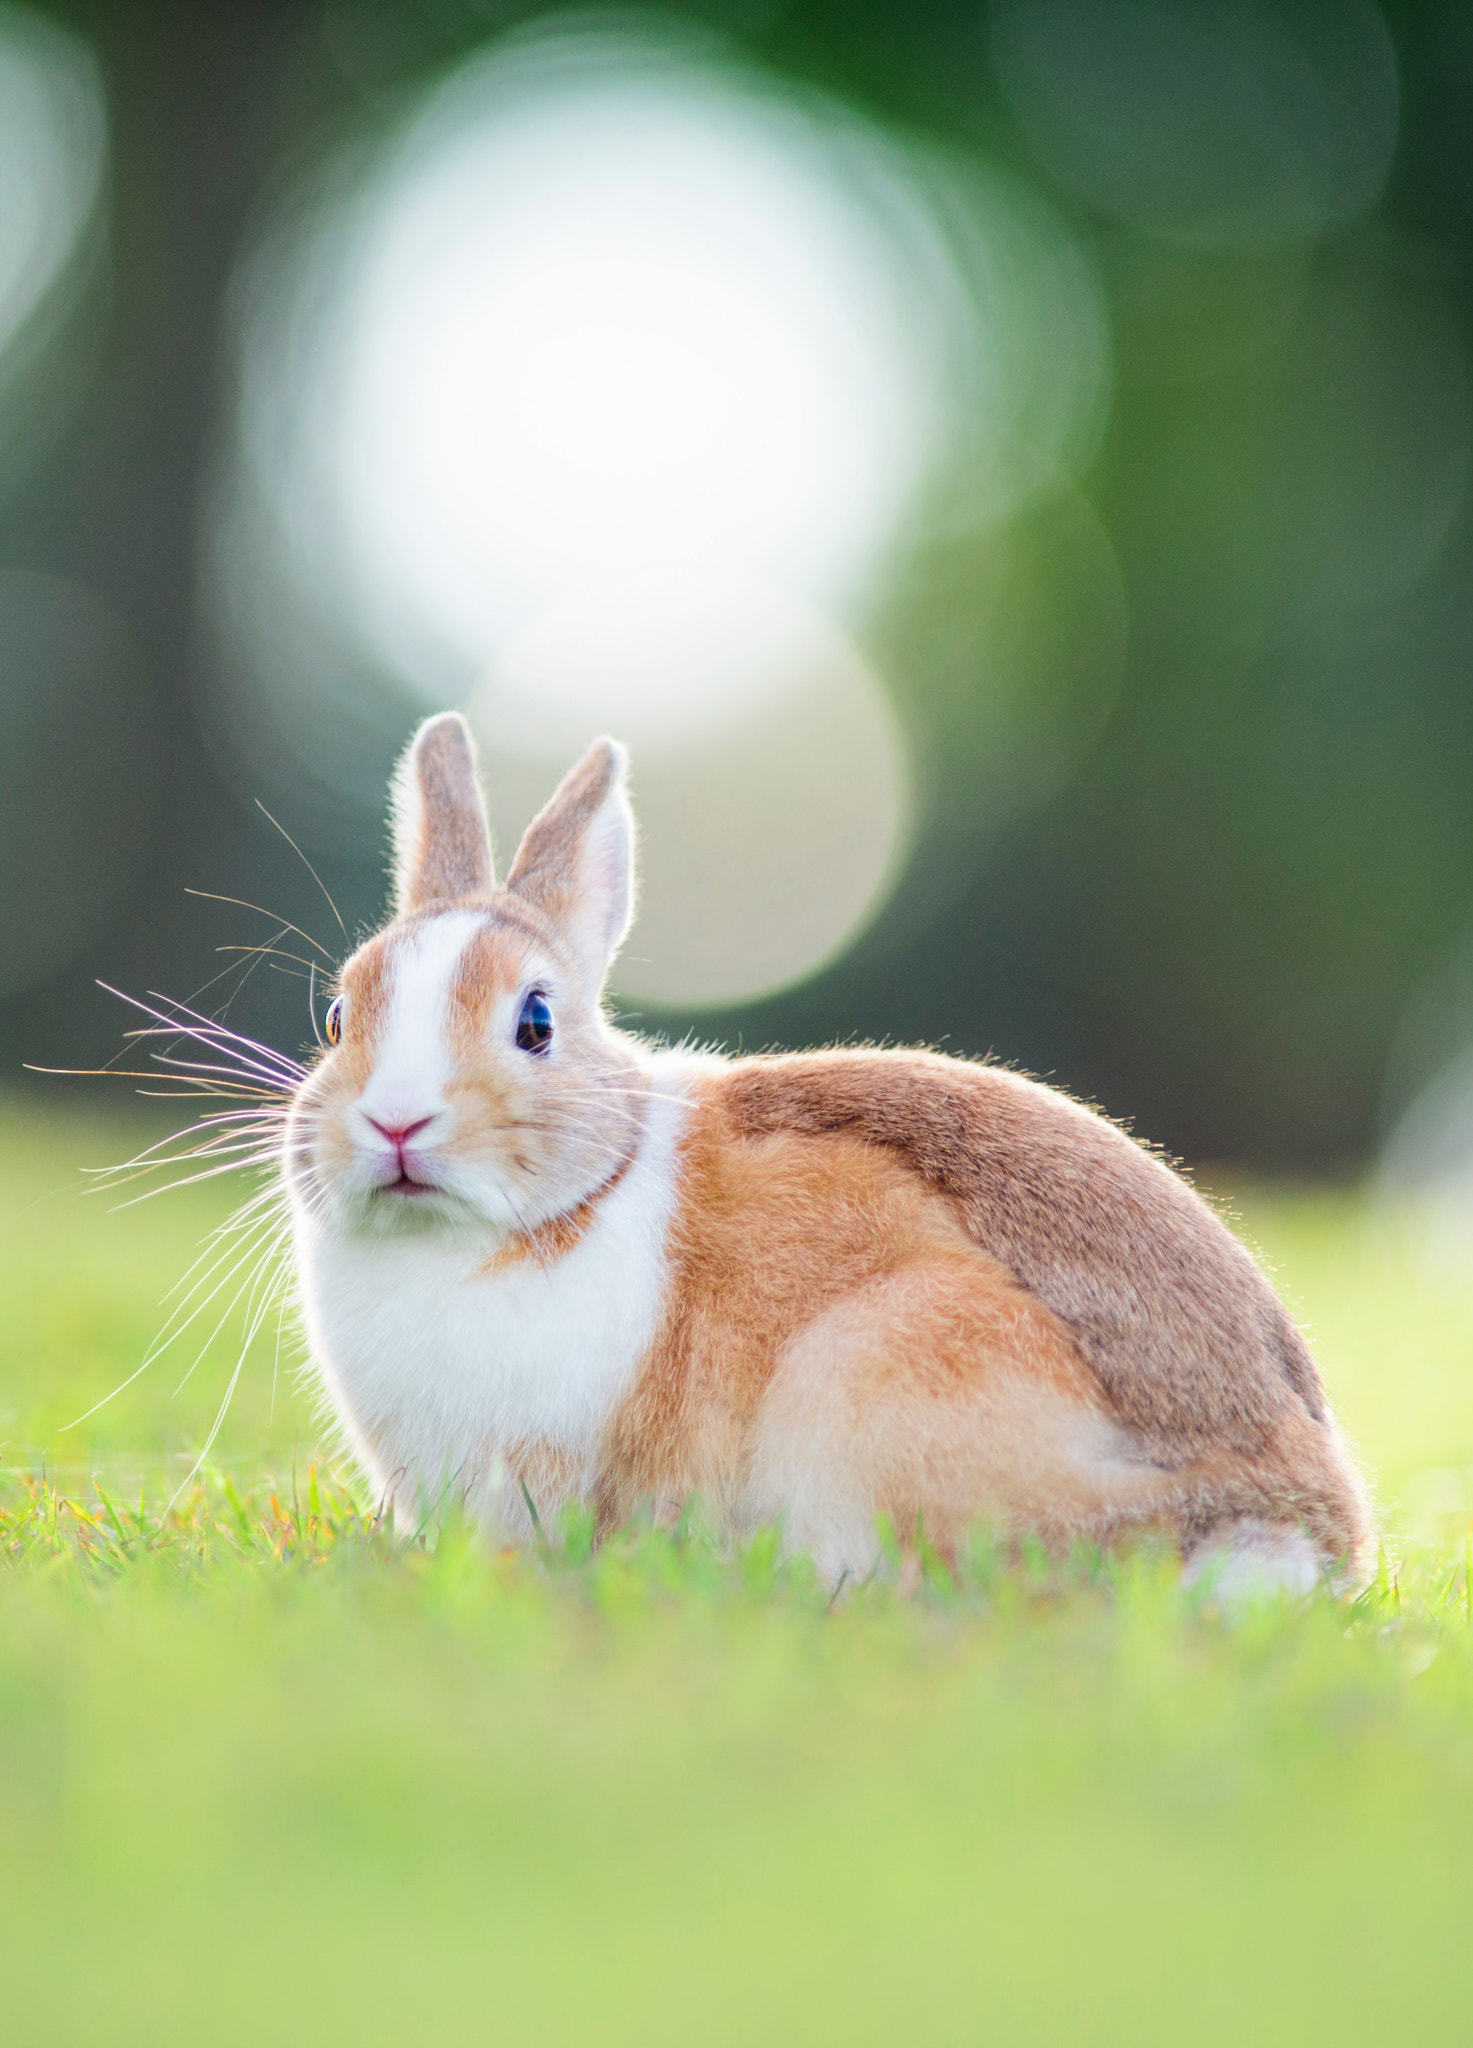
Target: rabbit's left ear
x=442, y=842
x=576, y=859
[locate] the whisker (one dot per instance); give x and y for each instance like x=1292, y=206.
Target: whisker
x=529, y=1234
x=238, y=1072
x=209, y=1028
x=221, y=1042
x=184, y=1066
x=192, y=1179
x=243, y=1092
x=305, y=863
x=220, y=1416
x=266, y=1235
x=231, y=968
x=247, y=1287
x=210, y=896
x=231, y=1239
x=246, y=1119
x=268, y=952
x=228, y=1128
x=206, y=1092
x=312, y=1005
x=162, y=1342
x=259, y=1146
x=241, y=1223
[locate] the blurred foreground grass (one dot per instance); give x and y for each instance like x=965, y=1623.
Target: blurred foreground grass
x=266, y=1775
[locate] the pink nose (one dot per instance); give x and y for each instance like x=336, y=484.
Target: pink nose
x=399, y=1135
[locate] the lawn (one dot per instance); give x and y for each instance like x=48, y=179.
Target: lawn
x=266, y=1775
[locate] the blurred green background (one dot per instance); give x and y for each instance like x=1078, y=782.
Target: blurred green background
x=1173, y=621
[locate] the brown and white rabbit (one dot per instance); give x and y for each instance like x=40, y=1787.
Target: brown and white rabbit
x=542, y=1261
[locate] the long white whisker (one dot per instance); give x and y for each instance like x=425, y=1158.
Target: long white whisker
x=191, y=1306
x=221, y=1120
x=247, y=1288
x=167, y=1335
x=240, y=1155
x=289, y=1068
x=178, y=1019
x=218, y=1424
x=222, y=1243
x=212, y=1024
x=238, y=1069
x=189, y=1180
x=215, y=1143
x=219, y=1037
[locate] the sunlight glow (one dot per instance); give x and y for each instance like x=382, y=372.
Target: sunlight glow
x=618, y=319
x=606, y=391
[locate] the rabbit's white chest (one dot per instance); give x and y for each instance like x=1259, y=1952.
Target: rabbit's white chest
x=436, y=1362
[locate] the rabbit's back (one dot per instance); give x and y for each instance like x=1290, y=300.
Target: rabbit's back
x=952, y=1227
x=1183, y=1329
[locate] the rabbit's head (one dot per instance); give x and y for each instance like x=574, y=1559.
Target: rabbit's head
x=471, y=1076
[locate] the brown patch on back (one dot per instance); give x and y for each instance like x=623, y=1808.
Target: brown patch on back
x=771, y=1232
x=1048, y=1243
x=1183, y=1332
x=1186, y=1335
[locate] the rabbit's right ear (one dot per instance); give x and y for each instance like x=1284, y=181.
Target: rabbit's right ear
x=576, y=859
x=442, y=842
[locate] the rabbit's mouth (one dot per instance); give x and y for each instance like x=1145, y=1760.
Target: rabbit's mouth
x=408, y=1188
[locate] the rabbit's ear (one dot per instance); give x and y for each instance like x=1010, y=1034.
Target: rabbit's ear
x=442, y=843
x=576, y=859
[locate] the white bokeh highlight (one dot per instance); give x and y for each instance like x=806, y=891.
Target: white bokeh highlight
x=613, y=324
x=602, y=392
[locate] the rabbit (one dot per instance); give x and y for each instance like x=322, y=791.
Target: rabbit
x=543, y=1262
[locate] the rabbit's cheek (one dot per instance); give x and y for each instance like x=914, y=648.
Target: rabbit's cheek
x=488, y=1129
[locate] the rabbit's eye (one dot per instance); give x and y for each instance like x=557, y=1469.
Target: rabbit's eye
x=334, y=1020
x=534, y=1026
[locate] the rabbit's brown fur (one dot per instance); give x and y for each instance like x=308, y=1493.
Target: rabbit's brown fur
x=813, y=1179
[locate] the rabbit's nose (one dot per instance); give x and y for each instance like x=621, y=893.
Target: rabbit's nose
x=399, y=1135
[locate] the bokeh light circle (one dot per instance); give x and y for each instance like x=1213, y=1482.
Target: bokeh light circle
x=602, y=391
x=608, y=311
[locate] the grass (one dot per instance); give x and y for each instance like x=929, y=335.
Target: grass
x=267, y=1775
